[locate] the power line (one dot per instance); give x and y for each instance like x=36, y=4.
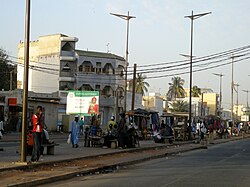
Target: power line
x=221, y=53
x=163, y=69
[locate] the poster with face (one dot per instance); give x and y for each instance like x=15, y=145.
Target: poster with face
x=85, y=103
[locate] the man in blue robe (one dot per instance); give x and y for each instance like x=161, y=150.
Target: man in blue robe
x=75, y=130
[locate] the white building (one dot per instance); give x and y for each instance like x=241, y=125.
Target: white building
x=153, y=102
x=56, y=66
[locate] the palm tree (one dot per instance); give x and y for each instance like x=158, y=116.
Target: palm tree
x=141, y=86
x=196, y=91
x=180, y=106
x=176, y=89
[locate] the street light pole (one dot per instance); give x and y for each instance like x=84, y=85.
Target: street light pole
x=232, y=87
x=237, y=101
x=192, y=18
x=247, y=95
x=127, y=18
x=25, y=82
x=220, y=75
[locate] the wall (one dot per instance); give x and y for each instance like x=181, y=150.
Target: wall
x=43, y=76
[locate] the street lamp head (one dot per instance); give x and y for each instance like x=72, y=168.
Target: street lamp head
x=187, y=56
x=220, y=75
x=125, y=17
x=196, y=16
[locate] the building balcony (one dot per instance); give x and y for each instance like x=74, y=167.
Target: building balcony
x=101, y=79
x=67, y=58
x=68, y=53
x=69, y=39
x=67, y=79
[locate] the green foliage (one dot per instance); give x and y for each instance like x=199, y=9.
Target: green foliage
x=196, y=91
x=180, y=106
x=176, y=89
x=141, y=85
x=5, y=69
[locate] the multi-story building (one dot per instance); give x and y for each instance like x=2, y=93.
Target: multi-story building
x=208, y=98
x=57, y=66
x=153, y=101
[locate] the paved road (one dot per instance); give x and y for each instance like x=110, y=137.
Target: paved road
x=224, y=165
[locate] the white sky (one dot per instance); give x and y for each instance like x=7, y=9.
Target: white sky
x=159, y=33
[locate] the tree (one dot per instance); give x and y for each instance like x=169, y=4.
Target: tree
x=196, y=91
x=5, y=70
x=180, y=106
x=176, y=89
x=141, y=86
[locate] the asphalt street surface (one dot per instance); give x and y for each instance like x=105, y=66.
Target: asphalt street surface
x=223, y=165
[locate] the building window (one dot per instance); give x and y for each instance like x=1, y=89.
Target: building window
x=66, y=68
x=66, y=86
x=107, y=91
x=97, y=87
x=87, y=68
x=108, y=69
x=98, y=67
x=80, y=68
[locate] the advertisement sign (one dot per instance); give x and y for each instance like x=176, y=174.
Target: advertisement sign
x=245, y=118
x=85, y=103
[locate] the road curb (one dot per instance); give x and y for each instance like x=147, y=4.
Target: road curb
x=88, y=171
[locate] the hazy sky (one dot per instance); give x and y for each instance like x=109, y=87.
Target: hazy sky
x=158, y=34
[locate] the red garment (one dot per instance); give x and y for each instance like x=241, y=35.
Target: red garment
x=37, y=124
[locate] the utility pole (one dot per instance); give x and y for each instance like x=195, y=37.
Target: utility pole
x=232, y=88
x=247, y=95
x=25, y=82
x=127, y=18
x=133, y=91
x=192, y=17
x=237, y=101
x=220, y=75
x=201, y=104
x=11, y=81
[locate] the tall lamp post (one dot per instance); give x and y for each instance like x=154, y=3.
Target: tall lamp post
x=127, y=18
x=232, y=87
x=192, y=17
x=237, y=101
x=247, y=95
x=25, y=82
x=220, y=75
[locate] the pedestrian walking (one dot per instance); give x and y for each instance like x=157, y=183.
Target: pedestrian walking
x=122, y=131
x=81, y=123
x=203, y=130
x=37, y=133
x=74, y=131
x=1, y=128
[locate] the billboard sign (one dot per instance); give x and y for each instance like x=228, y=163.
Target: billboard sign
x=85, y=103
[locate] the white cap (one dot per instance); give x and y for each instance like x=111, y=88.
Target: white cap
x=76, y=116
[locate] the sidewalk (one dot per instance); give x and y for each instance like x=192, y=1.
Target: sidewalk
x=11, y=154
x=69, y=162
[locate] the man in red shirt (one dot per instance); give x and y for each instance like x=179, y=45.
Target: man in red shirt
x=37, y=133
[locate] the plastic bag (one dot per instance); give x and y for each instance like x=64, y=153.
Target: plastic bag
x=69, y=139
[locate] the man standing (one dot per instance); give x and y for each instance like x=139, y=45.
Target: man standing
x=112, y=132
x=75, y=130
x=37, y=133
x=81, y=123
x=122, y=131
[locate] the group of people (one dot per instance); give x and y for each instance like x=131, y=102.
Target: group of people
x=211, y=127
x=120, y=131
x=163, y=131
